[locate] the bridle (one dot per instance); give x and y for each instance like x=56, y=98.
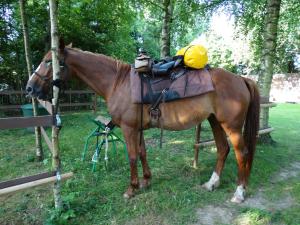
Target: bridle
x=63, y=67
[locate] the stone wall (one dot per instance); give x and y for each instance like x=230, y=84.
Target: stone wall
x=285, y=87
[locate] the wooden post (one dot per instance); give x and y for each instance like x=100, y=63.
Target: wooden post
x=55, y=129
x=38, y=142
x=196, y=146
x=70, y=101
x=32, y=184
x=95, y=103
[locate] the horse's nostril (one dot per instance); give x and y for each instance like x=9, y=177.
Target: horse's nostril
x=29, y=90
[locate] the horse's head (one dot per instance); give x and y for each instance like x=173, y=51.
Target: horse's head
x=41, y=81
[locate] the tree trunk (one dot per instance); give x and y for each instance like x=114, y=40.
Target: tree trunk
x=268, y=57
x=47, y=37
x=166, y=28
x=38, y=143
x=55, y=129
x=269, y=46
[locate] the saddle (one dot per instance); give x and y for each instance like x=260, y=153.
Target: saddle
x=171, y=67
x=165, y=83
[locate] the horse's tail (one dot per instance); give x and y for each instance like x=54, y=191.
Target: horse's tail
x=252, y=122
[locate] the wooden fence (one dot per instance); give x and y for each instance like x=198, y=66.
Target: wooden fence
x=23, y=183
x=13, y=100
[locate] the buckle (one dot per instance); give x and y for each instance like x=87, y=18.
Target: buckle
x=155, y=113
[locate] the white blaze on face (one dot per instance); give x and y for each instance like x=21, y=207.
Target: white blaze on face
x=37, y=69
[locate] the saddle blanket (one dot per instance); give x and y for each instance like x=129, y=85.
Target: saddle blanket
x=192, y=83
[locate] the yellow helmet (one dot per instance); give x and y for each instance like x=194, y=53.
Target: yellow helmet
x=195, y=56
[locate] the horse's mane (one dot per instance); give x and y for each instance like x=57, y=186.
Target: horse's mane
x=108, y=58
x=122, y=69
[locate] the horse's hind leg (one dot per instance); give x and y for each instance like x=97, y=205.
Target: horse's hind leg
x=146, y=170
x=223, y=150
x=241, y=153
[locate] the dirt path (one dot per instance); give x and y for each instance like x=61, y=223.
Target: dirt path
x=228, y=214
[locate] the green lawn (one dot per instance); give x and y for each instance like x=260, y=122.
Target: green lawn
x=175, y=194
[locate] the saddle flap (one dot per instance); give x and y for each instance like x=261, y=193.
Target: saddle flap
x=192, y=83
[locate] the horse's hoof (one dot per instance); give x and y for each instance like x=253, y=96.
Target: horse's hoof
x=207, y=186
x=237, y=200
x=213, y=182
x=126, y=196
x=129, y=193
x=144, y=183
x=239, y=195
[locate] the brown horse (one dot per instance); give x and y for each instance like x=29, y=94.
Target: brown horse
x=233, y=105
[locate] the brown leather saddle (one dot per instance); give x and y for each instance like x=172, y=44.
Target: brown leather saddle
x=177, y=84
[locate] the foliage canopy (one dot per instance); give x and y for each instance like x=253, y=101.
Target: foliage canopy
x=120, y=28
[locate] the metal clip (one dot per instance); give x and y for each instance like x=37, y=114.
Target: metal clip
x=107, y=130
x=58, y=176
x=58, y=120
x=165, y=90
x=155, y=113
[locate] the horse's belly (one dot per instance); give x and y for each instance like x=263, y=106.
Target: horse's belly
x=185, y=113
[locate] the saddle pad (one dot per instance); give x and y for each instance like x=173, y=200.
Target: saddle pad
x=192, y=83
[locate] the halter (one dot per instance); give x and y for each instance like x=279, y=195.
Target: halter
x=57, y=82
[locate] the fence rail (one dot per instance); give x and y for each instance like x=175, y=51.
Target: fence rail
x=13, y=100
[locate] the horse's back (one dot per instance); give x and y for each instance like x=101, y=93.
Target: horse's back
x=224, y=80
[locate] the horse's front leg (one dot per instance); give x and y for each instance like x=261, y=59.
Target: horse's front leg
x=146, y=170
x=131, y=136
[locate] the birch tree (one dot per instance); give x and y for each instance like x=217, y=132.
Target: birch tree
x=38, y=143
x=166, y=28
x=175, y=21
x=268, y=54
x=55, y=129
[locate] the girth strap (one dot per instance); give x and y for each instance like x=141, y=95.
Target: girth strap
x=154, y=111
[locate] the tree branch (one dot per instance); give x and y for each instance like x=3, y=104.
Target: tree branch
x=155, y=4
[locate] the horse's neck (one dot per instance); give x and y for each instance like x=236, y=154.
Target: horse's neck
x=97, y=71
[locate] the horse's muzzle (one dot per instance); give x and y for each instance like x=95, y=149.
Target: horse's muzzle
x=34, y=92
x=29, y=91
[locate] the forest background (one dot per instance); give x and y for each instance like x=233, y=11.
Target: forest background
x=119, y=28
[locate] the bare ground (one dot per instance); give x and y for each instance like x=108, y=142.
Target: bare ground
x=227, y=212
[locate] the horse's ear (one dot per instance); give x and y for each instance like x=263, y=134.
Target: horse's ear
x=61, y=44
x=70, y=45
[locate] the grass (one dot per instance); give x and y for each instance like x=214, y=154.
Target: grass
x=175, y=194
